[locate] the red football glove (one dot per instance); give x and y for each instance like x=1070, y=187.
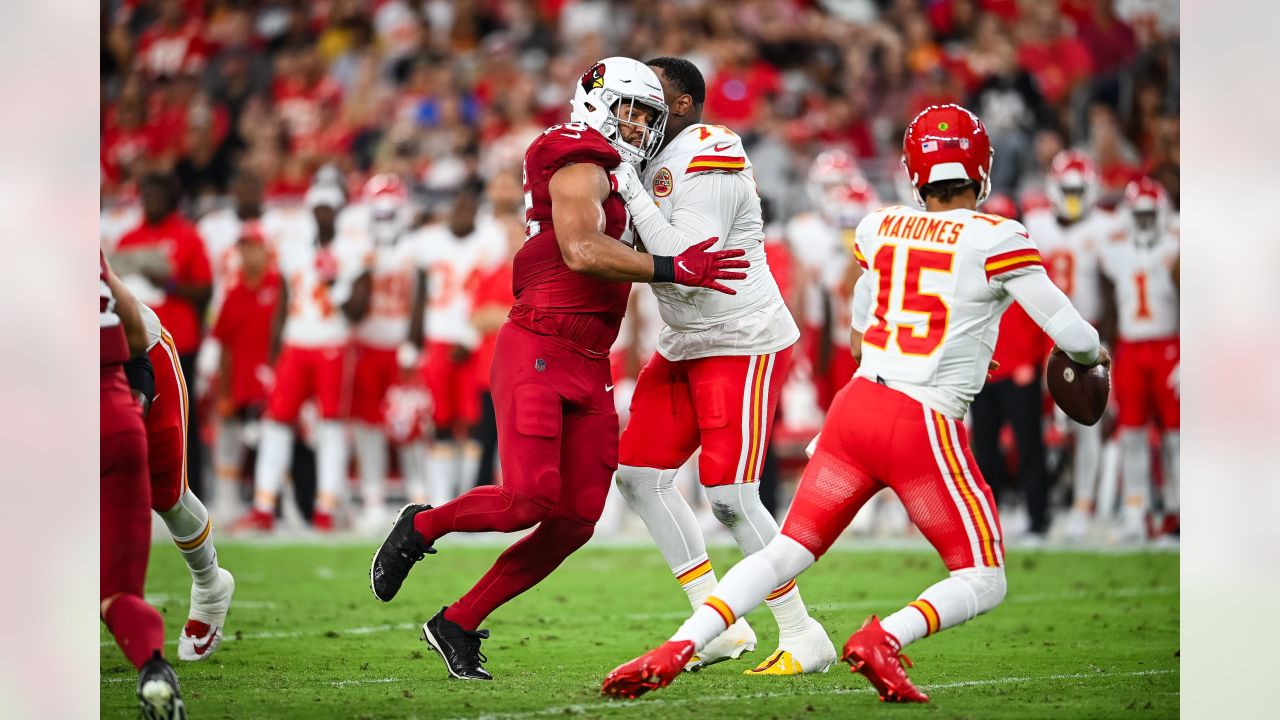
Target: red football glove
x=696, y=267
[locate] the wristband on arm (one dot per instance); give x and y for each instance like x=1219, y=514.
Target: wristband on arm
x=664, y=269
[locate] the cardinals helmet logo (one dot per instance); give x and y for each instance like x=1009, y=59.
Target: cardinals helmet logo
x=593, y=78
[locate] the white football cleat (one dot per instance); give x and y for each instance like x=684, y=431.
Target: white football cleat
x=809, y=651
x=1076, y=528
x=739, y=638
x=202, y=634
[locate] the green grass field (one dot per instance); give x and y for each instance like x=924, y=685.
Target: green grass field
x=1080, y=635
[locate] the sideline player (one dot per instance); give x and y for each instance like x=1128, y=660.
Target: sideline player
x=382, y=350
x=326, y=290
x=1070, y=236
x=715, y=381
x=551, y=384
x=1142, y=274
x=125, y=494
x=928, y=309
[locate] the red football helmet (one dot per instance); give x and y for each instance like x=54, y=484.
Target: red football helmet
x=838, y=189
x=947, y=142
x=1148, y=204
x=388, y=201
x=1072, y=185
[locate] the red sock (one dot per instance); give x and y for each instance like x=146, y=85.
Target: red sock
x=483, y=509
x=522, y=566
x=138, y=628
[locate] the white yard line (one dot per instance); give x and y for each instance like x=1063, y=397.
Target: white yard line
x=231, y=637
x=622, y=705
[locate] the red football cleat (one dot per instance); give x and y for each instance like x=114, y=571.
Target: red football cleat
x=655, y=669
x=254, y=521
x=874, y=653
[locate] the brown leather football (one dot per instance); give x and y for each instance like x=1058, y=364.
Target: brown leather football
x=1081, y=391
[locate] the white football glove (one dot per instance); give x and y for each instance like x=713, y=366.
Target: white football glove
x=625, y=181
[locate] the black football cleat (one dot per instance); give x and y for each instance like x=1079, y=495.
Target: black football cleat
x=402, y=548
x=459, y=647
x=158, y=695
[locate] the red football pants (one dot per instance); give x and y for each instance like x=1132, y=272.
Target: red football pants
x=306, y=372
x=876, y=437
x=376, y=370
x=724, y=404
x=1143, y=377
x=124, y=541
x=557, y=438
x=166, y=425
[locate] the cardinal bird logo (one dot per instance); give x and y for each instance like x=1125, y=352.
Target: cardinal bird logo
x=593, y=78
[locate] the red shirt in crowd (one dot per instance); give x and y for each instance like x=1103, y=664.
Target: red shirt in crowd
x=190, y=266
x=733, y=95
x=170, y=51
x=244, y=330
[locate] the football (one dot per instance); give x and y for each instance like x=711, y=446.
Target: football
x=1081, y=391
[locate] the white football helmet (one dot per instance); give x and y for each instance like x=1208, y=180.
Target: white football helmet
x=608, y=92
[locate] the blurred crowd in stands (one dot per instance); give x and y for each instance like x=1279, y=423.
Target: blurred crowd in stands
x=232, y=128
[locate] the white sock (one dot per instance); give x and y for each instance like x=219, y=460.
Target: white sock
x=743, y=588
x=1169, y=452
x=965, y=595
x=739, y=509
x=440, y=472
x=652, y=494
x=274, y=453
x=371, y=455
x=189, y=525
x=331, y=464
x=1108, y=480
x=1135, y=462
x=1088, y=455
x=413, y=468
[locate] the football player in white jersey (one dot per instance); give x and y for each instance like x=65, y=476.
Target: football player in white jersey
x=326, y=290
x=822, y=240
x=448, y=256
x=1070, y=235
x=716, y=378
x=383, y=351
x=1142, y=273
x=928, y=308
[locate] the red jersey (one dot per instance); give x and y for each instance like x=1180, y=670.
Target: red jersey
x=1021, y=346
x=190, y=267
x=244, y=329
x=551, y=299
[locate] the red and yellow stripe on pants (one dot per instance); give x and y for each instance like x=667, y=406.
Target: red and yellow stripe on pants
x=167, y=422
x=755, y=417
x=975, y=512
x=931, y=618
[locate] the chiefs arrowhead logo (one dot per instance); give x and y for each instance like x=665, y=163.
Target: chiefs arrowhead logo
x=593, y=78
x=662, y=183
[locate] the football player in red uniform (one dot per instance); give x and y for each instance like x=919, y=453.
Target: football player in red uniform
x=557, y=426
x=125, y=492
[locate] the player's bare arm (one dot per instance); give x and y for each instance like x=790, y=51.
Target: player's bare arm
x=418, y=314
x=578, y=192
x=577, y=209
x=135, y=331
x=277, y=324
x=357, y=306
